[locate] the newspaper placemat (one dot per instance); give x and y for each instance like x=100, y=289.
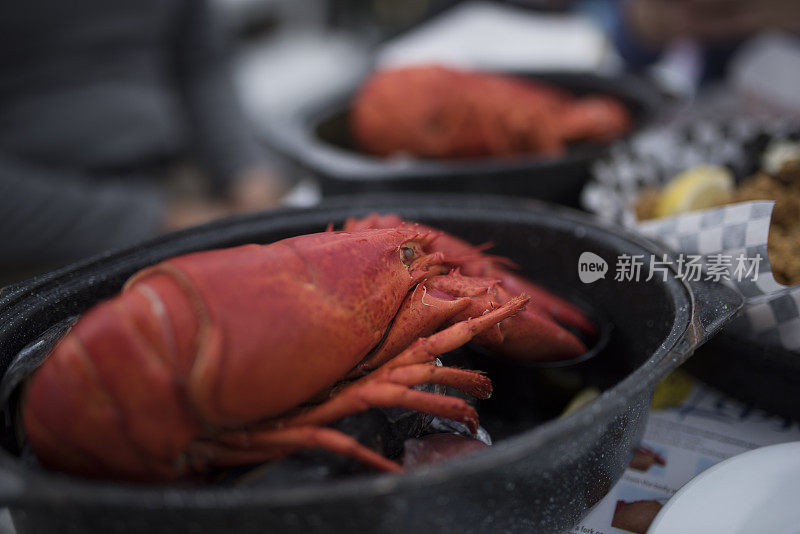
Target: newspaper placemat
x=680, y=442
x=730, y=242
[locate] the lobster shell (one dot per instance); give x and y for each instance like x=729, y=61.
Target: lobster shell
x=440, y=112
x=212, y=341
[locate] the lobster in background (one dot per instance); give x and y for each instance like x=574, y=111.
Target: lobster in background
x=440, y=112
x=242, y=355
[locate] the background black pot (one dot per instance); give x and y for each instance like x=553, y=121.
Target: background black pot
x=535, y=479
x=317, y=137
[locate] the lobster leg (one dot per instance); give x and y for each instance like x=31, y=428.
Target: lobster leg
x=422, y=313
x=236, y=448
x=379, y=390
x=529, y=335
x=365, y=395
x=470, y=382
x=424, y=350
x=482, y=297
x=548, y=303
x=387, y=387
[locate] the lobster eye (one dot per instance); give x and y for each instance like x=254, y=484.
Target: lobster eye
x=410, y=251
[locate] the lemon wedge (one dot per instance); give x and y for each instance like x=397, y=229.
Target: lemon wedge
x=673, y=390
x=584, y=397
x=700, y=187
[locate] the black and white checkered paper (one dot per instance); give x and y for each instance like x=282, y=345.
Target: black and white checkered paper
x=771, y=315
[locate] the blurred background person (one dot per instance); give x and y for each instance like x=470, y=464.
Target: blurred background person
x=108, y=110
x=647, y=27
x=102, y=105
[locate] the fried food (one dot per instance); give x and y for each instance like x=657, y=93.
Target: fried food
x=784, y=234
x=784, y=231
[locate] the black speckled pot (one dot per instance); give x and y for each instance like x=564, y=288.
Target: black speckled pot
x=538, y=479
x=317, y=138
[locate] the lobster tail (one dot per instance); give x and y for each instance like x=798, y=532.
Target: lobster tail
x=111, y=383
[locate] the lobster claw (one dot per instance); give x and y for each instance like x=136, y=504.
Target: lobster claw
x=481, y=295
x=535, y=334
x=529, y=335
x=546, y=302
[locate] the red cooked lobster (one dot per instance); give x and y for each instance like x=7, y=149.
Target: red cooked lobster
x=439, y=112
x=243, y=355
